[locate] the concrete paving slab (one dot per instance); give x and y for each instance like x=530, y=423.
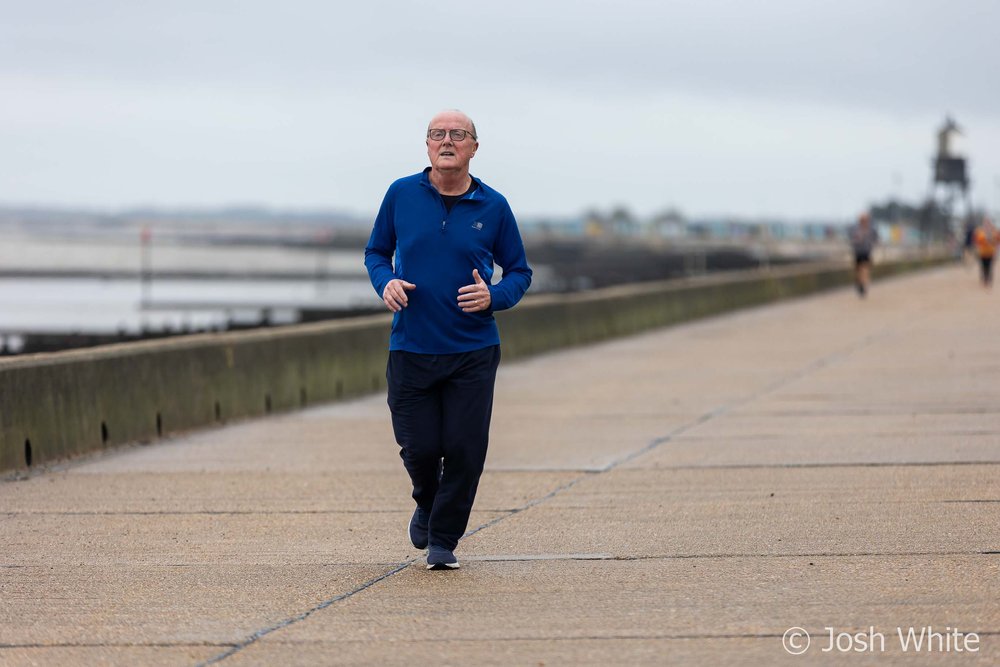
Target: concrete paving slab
x=639, y=651
x=217, y=604
x=582, y=444
x=151, y=656
x=282, y=442
x=203, y=539
x=329, y=492
x=781, y=439
x=918, y=485
x=624, y=379
x=193, y=493
x=655, y=598
x=824, y=449
x=629, y=513
x=833, y=394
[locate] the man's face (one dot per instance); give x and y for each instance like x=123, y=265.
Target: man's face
x=448, y=154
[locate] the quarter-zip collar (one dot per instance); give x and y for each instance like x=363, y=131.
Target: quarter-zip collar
x=425, y=180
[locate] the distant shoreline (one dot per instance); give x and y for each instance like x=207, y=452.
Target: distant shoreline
x=179, y=274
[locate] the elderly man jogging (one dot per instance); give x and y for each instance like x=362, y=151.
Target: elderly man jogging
x=430, y=257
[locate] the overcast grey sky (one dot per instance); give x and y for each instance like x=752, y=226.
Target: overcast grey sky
x=778, y=107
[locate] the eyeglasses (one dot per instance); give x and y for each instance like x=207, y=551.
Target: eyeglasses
x=456, y=135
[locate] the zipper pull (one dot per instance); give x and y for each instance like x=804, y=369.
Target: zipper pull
x=443, y=223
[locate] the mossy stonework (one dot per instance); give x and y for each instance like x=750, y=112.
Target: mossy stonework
x=62, y=404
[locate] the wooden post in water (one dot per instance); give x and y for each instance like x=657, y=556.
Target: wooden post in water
x=145, y=264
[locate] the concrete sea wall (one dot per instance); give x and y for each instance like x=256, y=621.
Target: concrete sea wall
x=62, y=404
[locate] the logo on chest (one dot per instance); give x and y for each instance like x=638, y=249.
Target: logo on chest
x=478, y=226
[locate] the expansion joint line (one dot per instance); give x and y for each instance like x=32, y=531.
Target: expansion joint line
x=306, y=614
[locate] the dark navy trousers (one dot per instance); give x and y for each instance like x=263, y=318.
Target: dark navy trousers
x=441, y=406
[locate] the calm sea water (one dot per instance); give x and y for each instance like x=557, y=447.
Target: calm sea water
x=91, y=305
x=96, y=305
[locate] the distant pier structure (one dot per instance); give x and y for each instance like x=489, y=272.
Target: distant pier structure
x=950, y=181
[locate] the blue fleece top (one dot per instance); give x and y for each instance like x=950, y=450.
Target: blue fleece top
x=436, y=251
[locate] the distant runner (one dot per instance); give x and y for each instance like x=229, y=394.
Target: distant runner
x=986, y=238
x=863, y=238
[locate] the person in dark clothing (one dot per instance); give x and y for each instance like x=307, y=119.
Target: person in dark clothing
x=863, y=238
x=431, y=259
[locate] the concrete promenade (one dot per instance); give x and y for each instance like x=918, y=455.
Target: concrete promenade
x=680, y=497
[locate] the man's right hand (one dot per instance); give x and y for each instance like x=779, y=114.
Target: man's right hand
x=394, y=294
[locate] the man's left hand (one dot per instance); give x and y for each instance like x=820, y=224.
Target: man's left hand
x=475, y=297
